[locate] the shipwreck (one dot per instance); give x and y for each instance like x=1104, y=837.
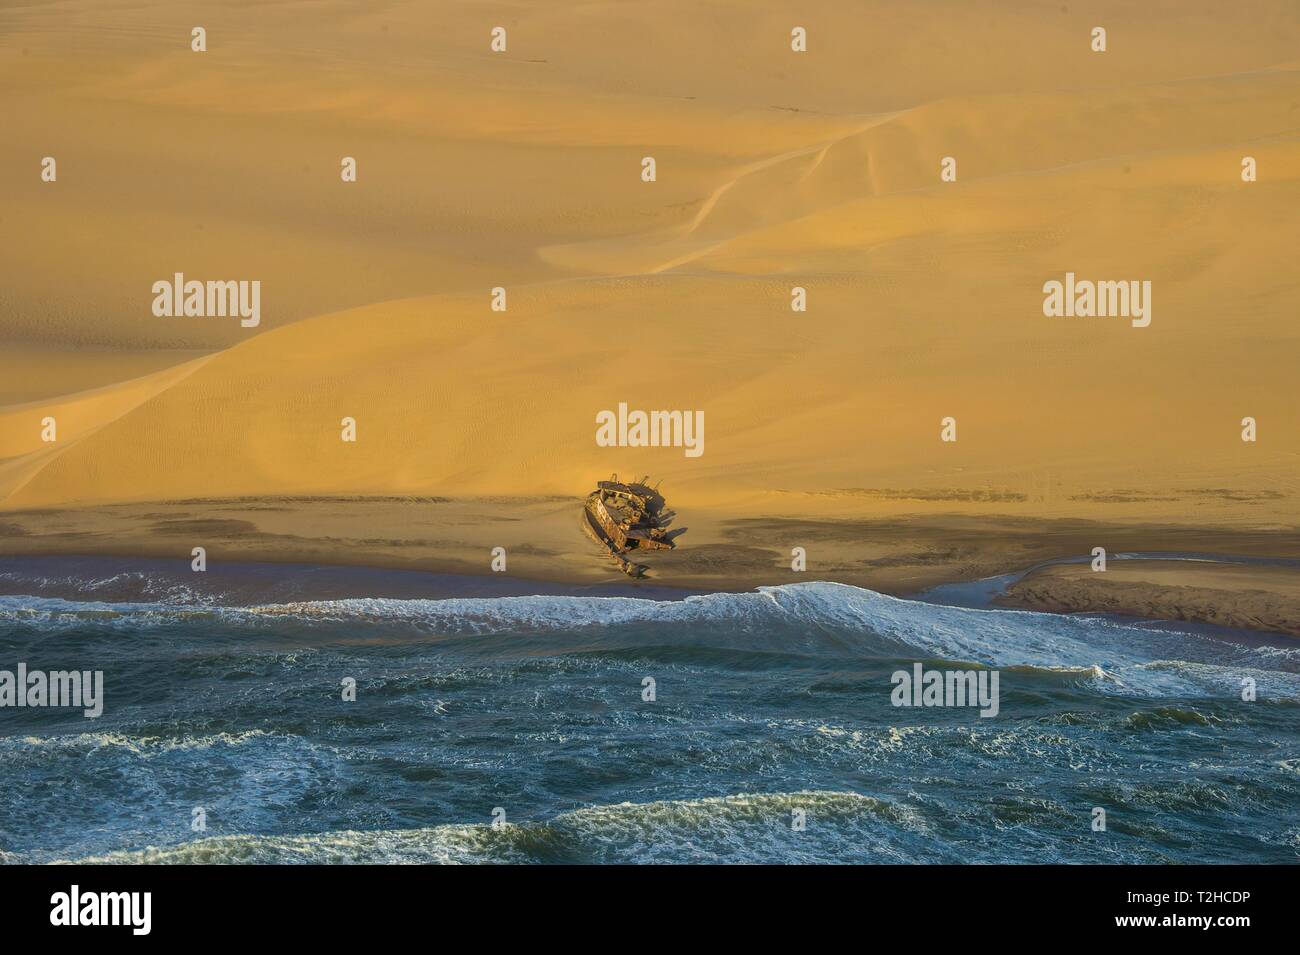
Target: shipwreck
x=628, y=517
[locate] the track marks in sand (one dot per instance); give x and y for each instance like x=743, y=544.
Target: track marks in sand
x=994, y=137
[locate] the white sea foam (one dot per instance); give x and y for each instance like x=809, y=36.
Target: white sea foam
x=738, y=828
x=818, y=619
x=137, y=745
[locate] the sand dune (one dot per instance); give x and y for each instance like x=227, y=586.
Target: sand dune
x=28, y=446
x=775, y=169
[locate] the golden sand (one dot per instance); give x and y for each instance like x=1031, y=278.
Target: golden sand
x=775, y=169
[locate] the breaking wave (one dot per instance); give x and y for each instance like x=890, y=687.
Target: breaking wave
x=818, y=620
x=83, y=743
x=740, y=828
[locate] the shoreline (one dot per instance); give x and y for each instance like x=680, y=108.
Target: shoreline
x=119, y=579
x=1256, y=597
x=437, y=548
x=114, y=578
x=896, y=553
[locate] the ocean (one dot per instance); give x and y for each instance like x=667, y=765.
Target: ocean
x=505, y=721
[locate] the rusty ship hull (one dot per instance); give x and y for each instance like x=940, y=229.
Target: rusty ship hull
x=627, y=517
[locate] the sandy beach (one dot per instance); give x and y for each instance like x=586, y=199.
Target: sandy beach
x=1228, y=595
x=776, y=170
x=900, y=554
